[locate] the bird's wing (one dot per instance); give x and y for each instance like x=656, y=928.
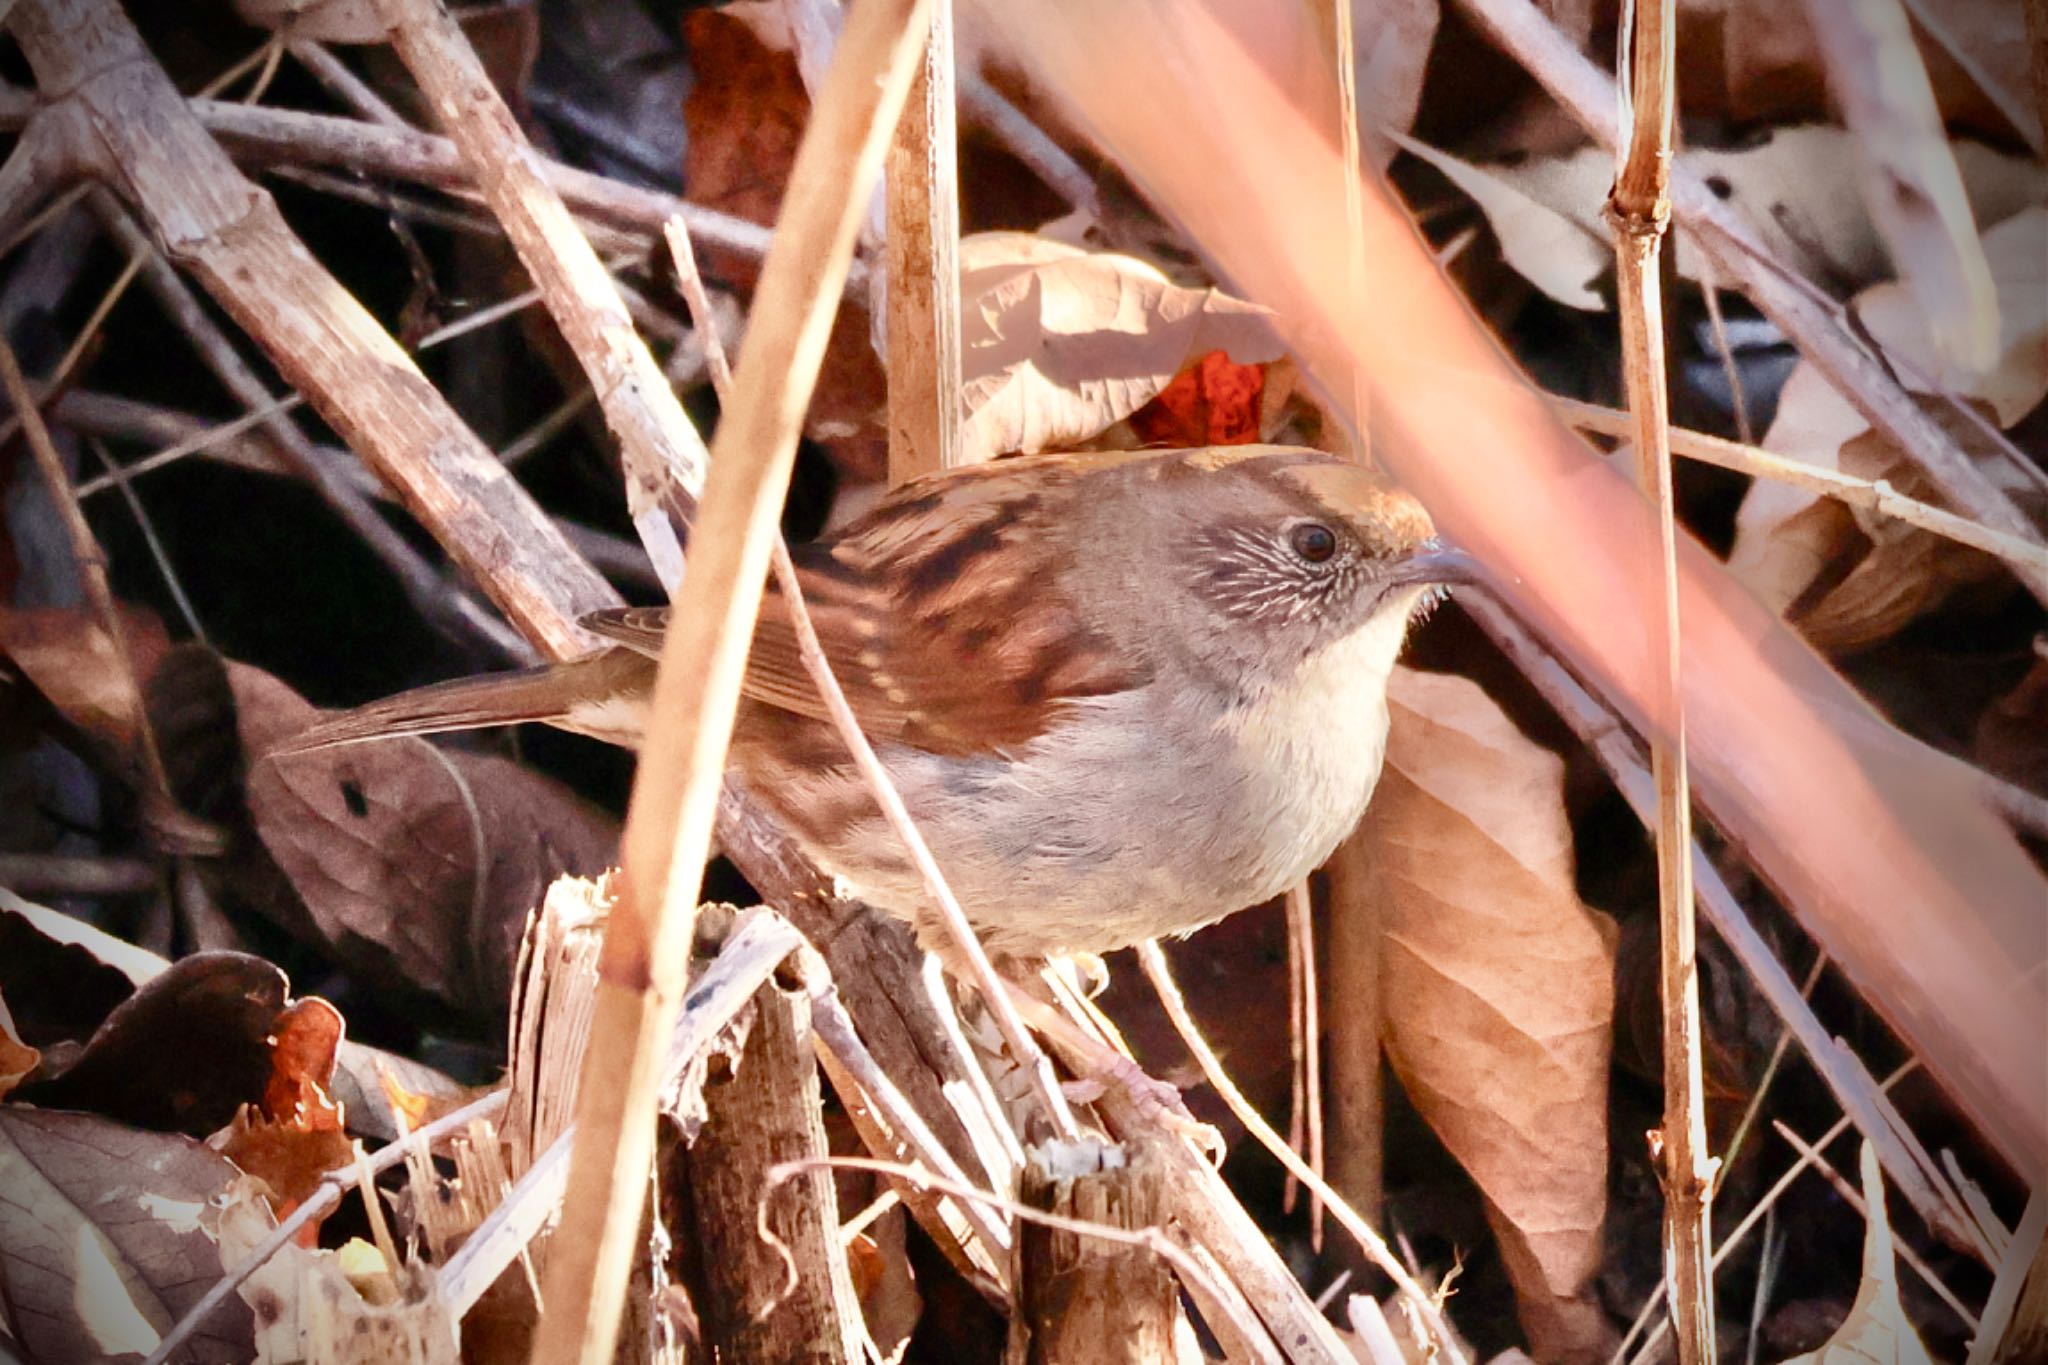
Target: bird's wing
x=928, y=652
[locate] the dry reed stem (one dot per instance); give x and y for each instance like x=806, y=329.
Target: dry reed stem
x=1304, y=998
x=697, y=687
x=1639, y=212
x=1526, y=34
x=1736, y=1236
x=1370, y=1242
x=2002, y=1304
x=922, y=212
x=812, y=652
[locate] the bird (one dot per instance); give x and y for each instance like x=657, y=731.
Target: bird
x=1122, y=694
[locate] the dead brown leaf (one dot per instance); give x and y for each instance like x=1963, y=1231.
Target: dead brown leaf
x=413, y=866
x=1499, y=989
x=105, y=1239
x=179, y=1055
x=1853, y=577
x=17, y=1059
x=745, y=113
x=1057, y=343
x=296, y=1135
x=66, y=656
x=1770, y=68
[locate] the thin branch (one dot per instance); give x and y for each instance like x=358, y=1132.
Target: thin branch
x=1854, y=1199
x=1022, y=1045
x=1870, y=495
x=92, y=571
x=697, y=685
x=1760, y=1213
x=1639, y=212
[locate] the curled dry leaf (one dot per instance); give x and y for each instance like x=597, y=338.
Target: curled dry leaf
x=106, y=1239
x=746, y=112
x=1058, y=344
x=1560, y=253
x=66, y=656
x=181, y=1054
x=413, y=866
x=1911, y=186
x=1798, y=188
x=1790, y=545
x=17, y=1059
x=1877, y=1331
x=1499, y=988
x=295, y=1135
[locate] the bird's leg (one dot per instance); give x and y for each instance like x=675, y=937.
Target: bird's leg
x=1099, y=1063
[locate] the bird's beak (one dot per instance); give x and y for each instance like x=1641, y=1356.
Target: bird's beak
x=1433, y=562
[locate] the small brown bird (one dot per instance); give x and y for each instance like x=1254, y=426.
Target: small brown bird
x=1122, y=694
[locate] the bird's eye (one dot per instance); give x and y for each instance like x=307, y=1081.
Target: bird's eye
x=1313, y=541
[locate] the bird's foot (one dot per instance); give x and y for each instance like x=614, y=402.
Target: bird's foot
x=1157, y=1102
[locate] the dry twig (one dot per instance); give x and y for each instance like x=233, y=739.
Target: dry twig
x=697, y=688
x=1638, y=212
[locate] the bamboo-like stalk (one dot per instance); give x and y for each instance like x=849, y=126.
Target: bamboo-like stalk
x=668, y=825
x=923, y=311
x=1639, y=212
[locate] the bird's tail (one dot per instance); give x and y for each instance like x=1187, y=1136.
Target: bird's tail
x=562, y=694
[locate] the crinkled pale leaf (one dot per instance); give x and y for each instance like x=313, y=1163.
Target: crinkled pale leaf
x=1876, y=1332
x=307, y=1308
x=106, y=1240
x=1553, y=250
x=2017, y=251
x=1911, y=186
x=1499, y=987
x=1786, y=538
x=1058, y=344
x=1798, y=188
